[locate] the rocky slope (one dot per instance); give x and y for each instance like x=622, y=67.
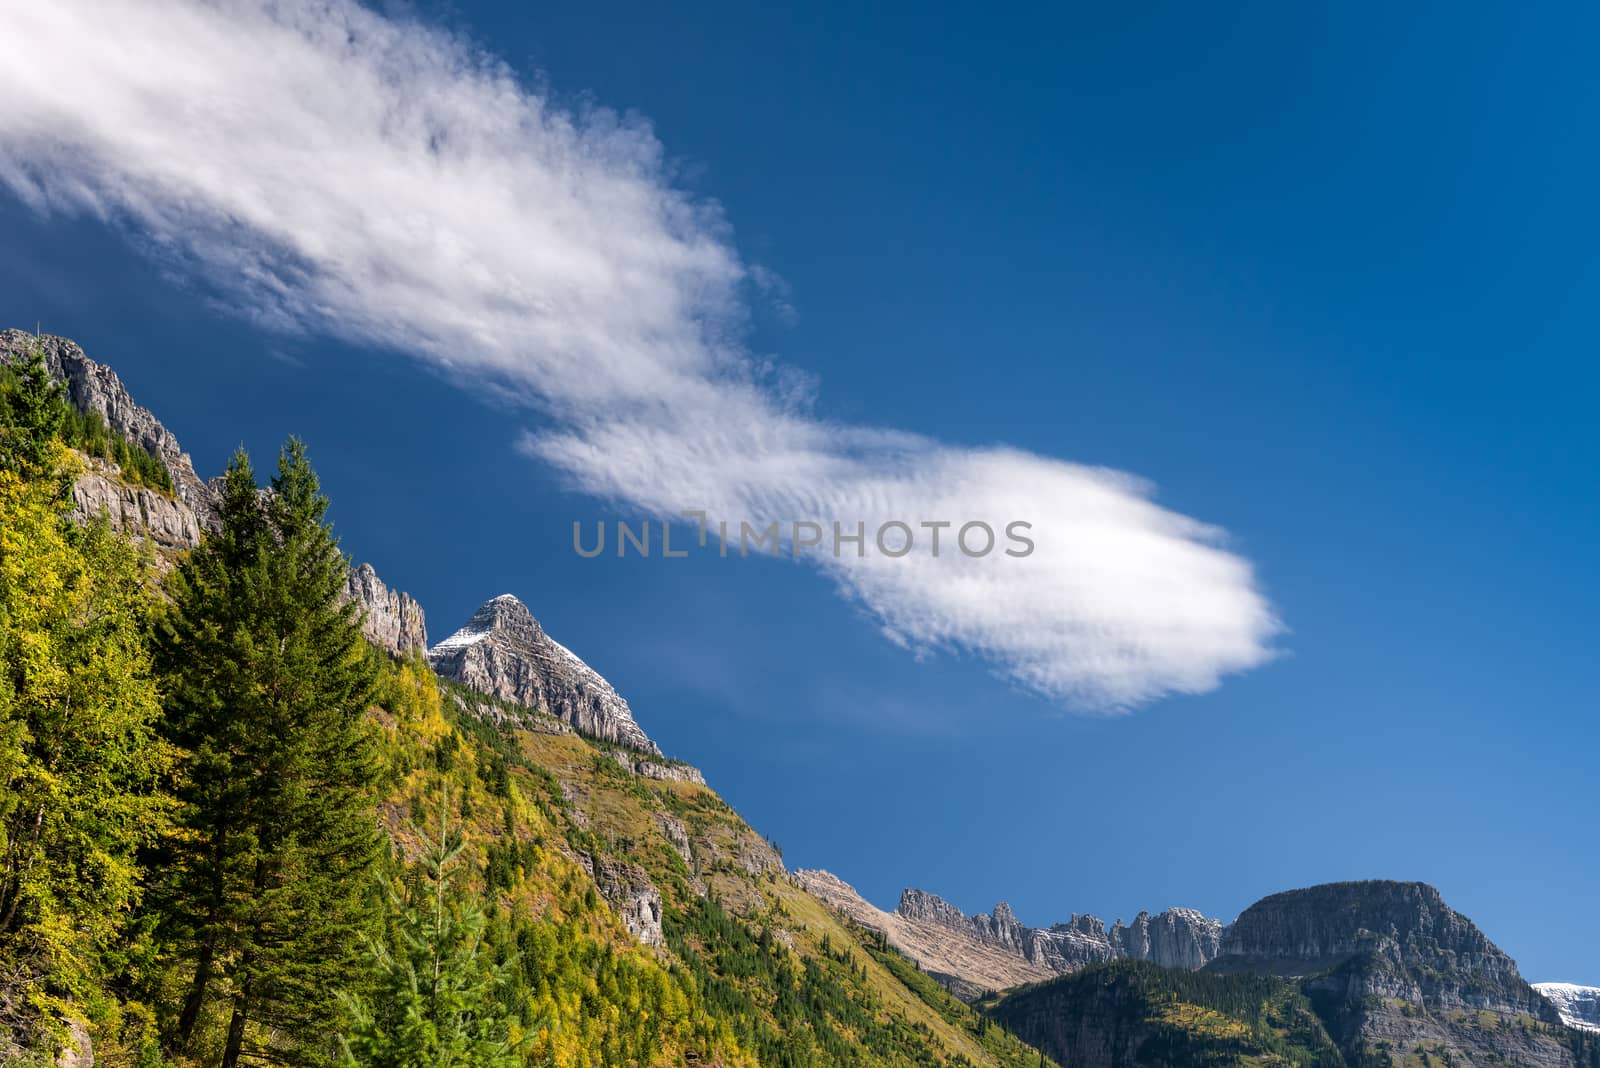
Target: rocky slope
x=989, y=951
x=503, y=651
x=1579, y=1006
x=1391, y=967
x=965, y=964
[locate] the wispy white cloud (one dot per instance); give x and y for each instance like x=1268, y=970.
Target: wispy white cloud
x=332, y=170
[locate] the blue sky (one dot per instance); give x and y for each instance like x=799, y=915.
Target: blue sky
x=1323, y=278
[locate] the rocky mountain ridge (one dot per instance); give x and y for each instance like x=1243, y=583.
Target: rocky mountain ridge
x=974, y=954
x=1175, y=938
x=174, y=523
x=1361, y=974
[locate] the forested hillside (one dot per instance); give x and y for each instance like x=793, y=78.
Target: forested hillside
x=1132, y=1014
x=232, y=831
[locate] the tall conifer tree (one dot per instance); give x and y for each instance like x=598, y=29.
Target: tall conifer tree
x=268, y=682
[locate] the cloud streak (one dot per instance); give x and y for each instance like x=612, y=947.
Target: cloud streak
x=327, y=169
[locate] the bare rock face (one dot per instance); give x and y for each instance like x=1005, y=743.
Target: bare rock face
x=502, y=651
x=1176, y=938
x=664, y=771
x=631, y=895
x=94, y=387
x=931, y=908
x=1579, y=1006
x=169, y=523
x=133, y=510
x=393, y=620
x=677, y=835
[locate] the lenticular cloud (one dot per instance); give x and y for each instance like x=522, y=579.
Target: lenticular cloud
x=329, y=169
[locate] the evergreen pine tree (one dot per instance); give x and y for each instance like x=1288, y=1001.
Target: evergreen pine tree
x=268, y=680
x=33, y=409
x=436, y=996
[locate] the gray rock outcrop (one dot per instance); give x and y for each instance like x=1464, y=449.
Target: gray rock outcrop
x=393, y=620
x=78, y=1050
x=504, y=652
x=1176, y=938
x=661, y=770
x=133, y=510
x=631, y=895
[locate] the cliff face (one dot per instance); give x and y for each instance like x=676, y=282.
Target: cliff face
x=393, y=620
x=1403, y=925
x=139, y=511
x=1176, y=938
x=504, y=652
x=1360, y=974
x=1390, y=966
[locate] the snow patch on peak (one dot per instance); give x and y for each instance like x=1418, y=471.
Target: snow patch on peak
x=466, y=636
x=1579, y=1006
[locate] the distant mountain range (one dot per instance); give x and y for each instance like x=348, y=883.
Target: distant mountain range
x=974, y=955
x=1352, y=974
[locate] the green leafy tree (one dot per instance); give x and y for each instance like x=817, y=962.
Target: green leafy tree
x=268, y=681
x=437, y=997
x=79, y=757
